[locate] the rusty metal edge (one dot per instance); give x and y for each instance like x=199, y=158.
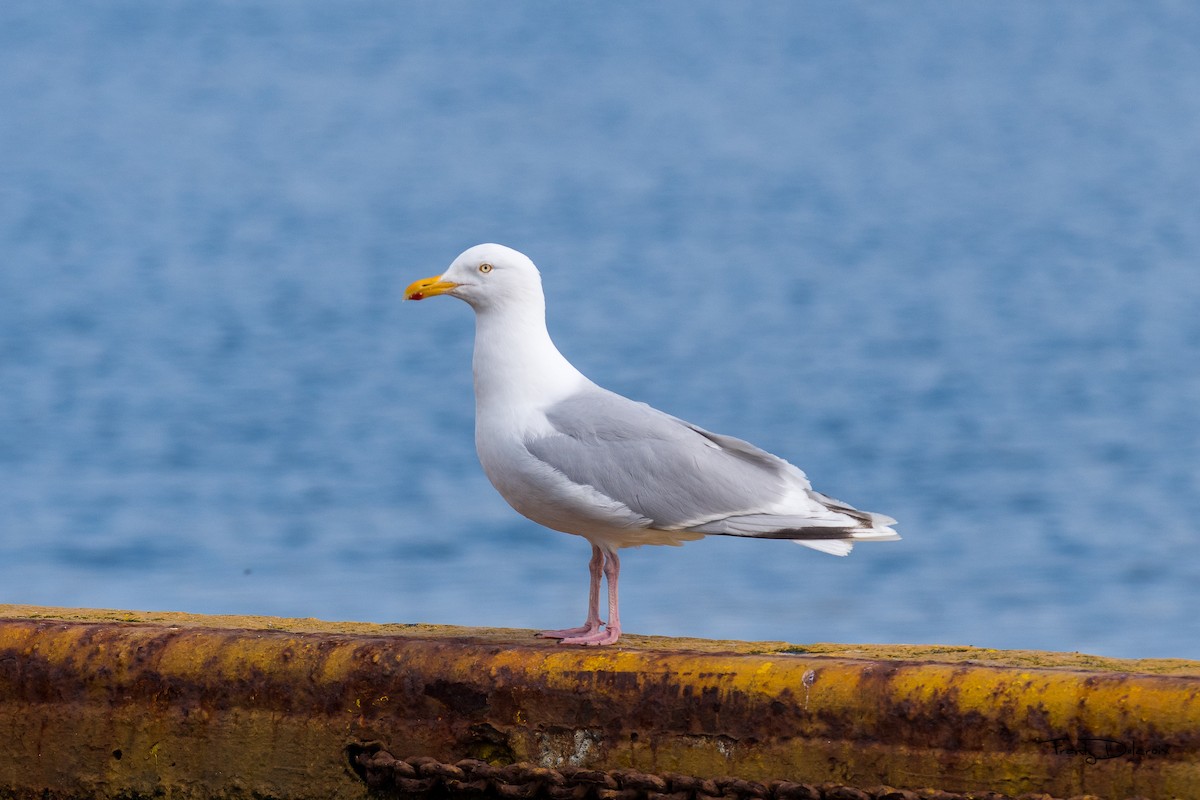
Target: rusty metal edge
x=124, y=704
x=937, y=653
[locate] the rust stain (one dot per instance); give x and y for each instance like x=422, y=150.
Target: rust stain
x=272, y=706
x=501, y=637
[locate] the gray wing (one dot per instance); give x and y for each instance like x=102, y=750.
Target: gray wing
x=665, y=469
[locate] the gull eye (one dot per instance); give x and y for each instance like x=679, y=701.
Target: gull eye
x=485, y=268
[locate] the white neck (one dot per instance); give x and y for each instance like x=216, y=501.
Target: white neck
x=515, y=363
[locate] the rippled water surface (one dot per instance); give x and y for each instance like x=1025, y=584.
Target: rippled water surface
x=944, y=257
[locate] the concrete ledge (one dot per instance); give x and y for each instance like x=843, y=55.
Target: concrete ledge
x=105, y=704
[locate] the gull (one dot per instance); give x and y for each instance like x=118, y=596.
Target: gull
x=577, y=458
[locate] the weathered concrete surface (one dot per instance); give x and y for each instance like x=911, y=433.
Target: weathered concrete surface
x=122, y=704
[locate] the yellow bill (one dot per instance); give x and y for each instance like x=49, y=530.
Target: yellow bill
x=428, y=287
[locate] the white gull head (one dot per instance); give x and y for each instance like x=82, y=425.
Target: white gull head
x=487, y=276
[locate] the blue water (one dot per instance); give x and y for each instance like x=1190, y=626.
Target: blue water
x=945, y=257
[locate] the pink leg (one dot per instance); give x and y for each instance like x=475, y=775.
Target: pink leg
x=593, y=619
x=612, y=631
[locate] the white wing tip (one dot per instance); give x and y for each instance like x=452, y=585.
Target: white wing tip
x=834, y=547
x=883, y=534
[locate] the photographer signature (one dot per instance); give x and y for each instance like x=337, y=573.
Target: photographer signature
x=1094, y=749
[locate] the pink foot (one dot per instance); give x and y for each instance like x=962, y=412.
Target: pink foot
x=567, y=633
x=607, y=636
